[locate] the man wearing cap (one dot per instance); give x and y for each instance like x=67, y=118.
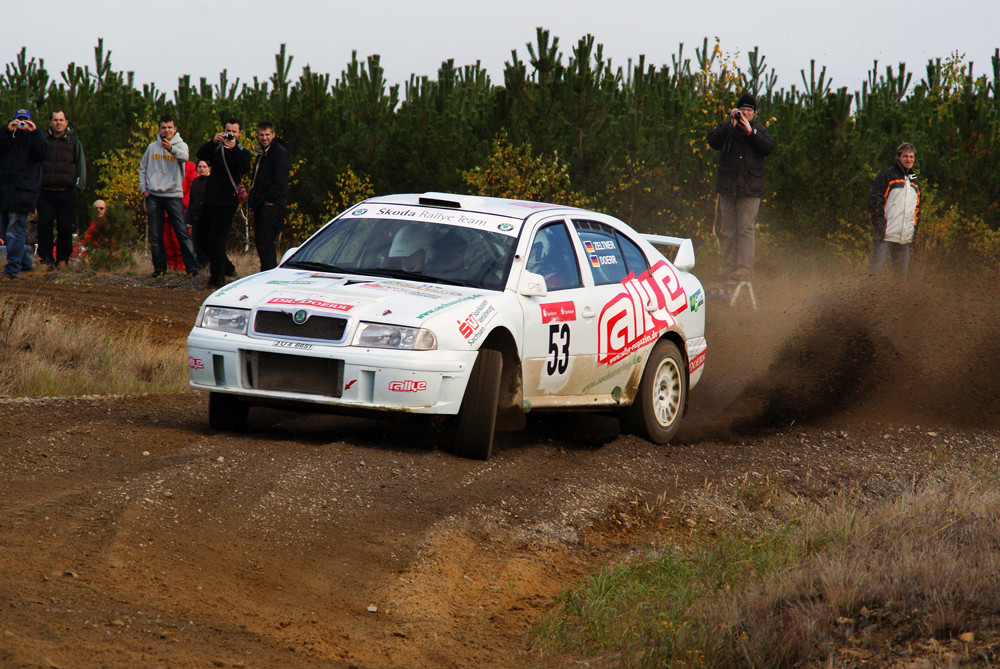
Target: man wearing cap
x=22, y=149
x=742, y=145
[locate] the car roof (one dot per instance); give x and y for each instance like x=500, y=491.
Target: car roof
x=518, y=209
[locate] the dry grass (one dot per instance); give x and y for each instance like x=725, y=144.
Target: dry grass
x=46, y=355
x=840, y=585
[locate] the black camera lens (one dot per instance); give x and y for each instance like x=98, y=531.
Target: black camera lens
x=229, y=136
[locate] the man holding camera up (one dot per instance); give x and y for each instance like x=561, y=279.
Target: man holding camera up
x=23, y=147
x=267, y=193
x=229, y=162
x=742, y=145
x=161, y=182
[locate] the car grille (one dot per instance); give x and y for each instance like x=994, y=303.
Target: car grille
x=280, y=372
x=324, y=328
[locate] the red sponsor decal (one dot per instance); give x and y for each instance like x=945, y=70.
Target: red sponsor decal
x=195, y=363
x=559, y=312
x=407, y=386
x=636, y=316
x=696, y=362
x=308, y=302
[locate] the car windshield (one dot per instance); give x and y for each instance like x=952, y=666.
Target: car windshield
x=422, y=251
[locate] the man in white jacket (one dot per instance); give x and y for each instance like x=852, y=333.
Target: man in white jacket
x=161, y=180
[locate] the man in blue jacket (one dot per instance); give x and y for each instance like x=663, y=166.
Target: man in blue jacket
x=23, y=147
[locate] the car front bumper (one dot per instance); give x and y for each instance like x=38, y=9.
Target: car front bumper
x=352, y=377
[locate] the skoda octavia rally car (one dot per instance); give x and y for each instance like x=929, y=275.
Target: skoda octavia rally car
x=478, y=308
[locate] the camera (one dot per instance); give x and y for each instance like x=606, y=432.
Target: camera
x=162, y=137
x=21, y=123
x=738, y=114
x=228, y=136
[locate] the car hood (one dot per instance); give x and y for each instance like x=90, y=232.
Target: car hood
x=368, y=298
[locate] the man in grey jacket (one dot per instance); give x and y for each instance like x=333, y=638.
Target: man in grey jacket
x=161, y=180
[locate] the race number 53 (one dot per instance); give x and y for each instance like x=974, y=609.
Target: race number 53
x=558, y=349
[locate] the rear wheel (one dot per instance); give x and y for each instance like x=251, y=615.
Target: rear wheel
x=226, y=412
x=659, y=404
x=477, y=417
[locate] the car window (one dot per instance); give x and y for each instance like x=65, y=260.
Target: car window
x=552, y=256
x=603, y=252
x=635, y=260
x=410, y=250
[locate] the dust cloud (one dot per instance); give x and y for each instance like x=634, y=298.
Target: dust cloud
x=923, y=352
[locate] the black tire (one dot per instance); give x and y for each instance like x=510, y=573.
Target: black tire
x=478, y=415
x=226, y=412
x=658, y=407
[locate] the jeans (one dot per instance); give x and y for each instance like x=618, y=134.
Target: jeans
x=56, y=208
x=882, y=251
x=174, y=206
x=266, y=226
x=213, y=233
x=737, y=217
x=18, y=254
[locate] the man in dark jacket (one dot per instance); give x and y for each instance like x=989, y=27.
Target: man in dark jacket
x=268, y=191
x=742, y=145
x=229, y=162
x=64, y=175
x=23, y=147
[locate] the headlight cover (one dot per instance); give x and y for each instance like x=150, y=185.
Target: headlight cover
x=380, y=335
x=225, y=319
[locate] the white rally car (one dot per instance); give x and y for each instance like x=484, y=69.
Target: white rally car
x=477, y=308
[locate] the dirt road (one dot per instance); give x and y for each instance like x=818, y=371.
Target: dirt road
x=132, y=535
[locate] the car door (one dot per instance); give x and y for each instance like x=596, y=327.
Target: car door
x=635, y=303
x=560, y=334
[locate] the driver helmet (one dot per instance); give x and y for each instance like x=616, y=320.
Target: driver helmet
x=408, y=242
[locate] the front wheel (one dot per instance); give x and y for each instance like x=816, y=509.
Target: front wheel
x=478, y=415
x=226, y=412
x=659, y=404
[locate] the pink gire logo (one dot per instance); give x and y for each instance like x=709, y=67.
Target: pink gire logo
x=637, y=315
x=407, y=386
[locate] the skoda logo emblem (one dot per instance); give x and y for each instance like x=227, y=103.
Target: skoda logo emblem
x=360, y=212
x=300, y=316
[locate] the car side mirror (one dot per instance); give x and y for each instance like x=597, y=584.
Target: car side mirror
x=532, y=285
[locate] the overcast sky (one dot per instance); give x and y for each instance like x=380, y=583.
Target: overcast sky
x=162, y=41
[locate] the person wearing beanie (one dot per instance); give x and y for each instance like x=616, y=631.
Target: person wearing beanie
x=742, y=144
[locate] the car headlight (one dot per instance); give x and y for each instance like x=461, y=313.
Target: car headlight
x=225, y=319
x=379, y=335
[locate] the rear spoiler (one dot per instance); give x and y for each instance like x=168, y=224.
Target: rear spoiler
x=684, y=256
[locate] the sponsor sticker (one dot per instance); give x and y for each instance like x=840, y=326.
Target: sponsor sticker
x=696, y=362
x=473, y=326
x=195, y=363
x=558, y=312
x=635, y=317
x=697, y=300
x=407, y=386
x=310, y=302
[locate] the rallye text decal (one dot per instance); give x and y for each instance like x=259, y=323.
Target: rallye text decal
x=492, y=222
x=309, y=302
x=696, y=362
x=407, y=386
x=626, y=325
x=558, y=312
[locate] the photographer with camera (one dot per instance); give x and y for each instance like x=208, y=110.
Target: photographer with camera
x=22, y=149
x=742, y=144
x=161, y=182
x=229, y=161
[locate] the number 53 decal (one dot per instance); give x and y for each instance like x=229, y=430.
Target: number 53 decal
x=558, y=349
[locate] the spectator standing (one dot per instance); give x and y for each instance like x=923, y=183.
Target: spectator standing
x=196, y=196
x=161, y=181
x=23, y=147
x=894, y=212
x=64, y=175
x=229, y=162
x=742, y=144
x=268, y=190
